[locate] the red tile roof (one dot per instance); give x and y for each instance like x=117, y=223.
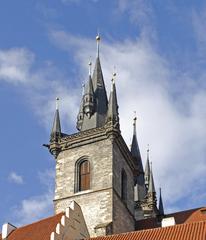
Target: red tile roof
x=40, y=230
x=194, y=228
x=188, y=231
x=188, y=216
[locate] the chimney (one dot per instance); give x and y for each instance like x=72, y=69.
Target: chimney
x=7, y=228
x=166, y=222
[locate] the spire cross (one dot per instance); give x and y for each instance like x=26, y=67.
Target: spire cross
x=113, y=81
x=135, y=117
x=98, y=41
x=148, y=148
x=113, y=77
x=57, y=103
x=90, y=67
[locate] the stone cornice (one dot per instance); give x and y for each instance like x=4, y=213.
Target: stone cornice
x=108, y=131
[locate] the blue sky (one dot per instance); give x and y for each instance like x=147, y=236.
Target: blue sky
x=158, y=49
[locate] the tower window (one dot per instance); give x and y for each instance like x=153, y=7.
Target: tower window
x=84, y=175
x=124, y=186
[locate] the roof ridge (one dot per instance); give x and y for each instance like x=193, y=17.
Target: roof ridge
x=39, y=221
x=154, y=229
x=185, y=210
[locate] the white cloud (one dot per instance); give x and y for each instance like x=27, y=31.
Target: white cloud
x=40, y=85
x=15, y=64
x=170, y=107
x=15, y=178
x=35, y=207
x=140, y=13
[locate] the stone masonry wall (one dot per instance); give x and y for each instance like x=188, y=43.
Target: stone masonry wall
x=96, y=203
x=96, y=207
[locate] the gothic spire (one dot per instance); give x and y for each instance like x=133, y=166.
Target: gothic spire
x=95, y=111
x=80, y=115
x=135, y=147
x=151, y=188
x=56, y=129
x=147, y=170
x=88, y=103
x=112, y=113
x=98, y=83
x=161, y=207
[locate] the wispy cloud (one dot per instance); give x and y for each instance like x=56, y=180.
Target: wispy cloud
x=39, y=85
x=140, y=13
x=36, y=207
x=15, y=178
x=15, y=64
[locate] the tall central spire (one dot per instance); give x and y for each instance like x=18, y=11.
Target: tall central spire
x=95, y=103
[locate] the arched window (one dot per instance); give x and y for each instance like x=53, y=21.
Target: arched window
x=124, y=185
x=83, y=175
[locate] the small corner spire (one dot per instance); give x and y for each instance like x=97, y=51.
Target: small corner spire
x=56, y=129
x=90, y=68
x=161, y=207
x=98, y=43
x=113, y=114
x=147, y=169
x=151, y=188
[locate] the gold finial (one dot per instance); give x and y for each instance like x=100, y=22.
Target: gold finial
x=135, y=116
x=113, y=77
x=57, y=103
x=148, y=148
x=98, y=40
x=90, y=68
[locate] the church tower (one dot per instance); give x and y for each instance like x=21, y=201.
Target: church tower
x=94, y=166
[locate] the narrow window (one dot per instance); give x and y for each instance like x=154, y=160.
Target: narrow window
x=84, y=176
x=124, y=186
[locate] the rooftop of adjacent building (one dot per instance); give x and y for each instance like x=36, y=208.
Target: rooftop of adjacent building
x=187, y=231
x=189, y=224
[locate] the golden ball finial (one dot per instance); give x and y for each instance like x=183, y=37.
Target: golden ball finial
x=57, y=99
x=98, y=37
x=135, y=116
